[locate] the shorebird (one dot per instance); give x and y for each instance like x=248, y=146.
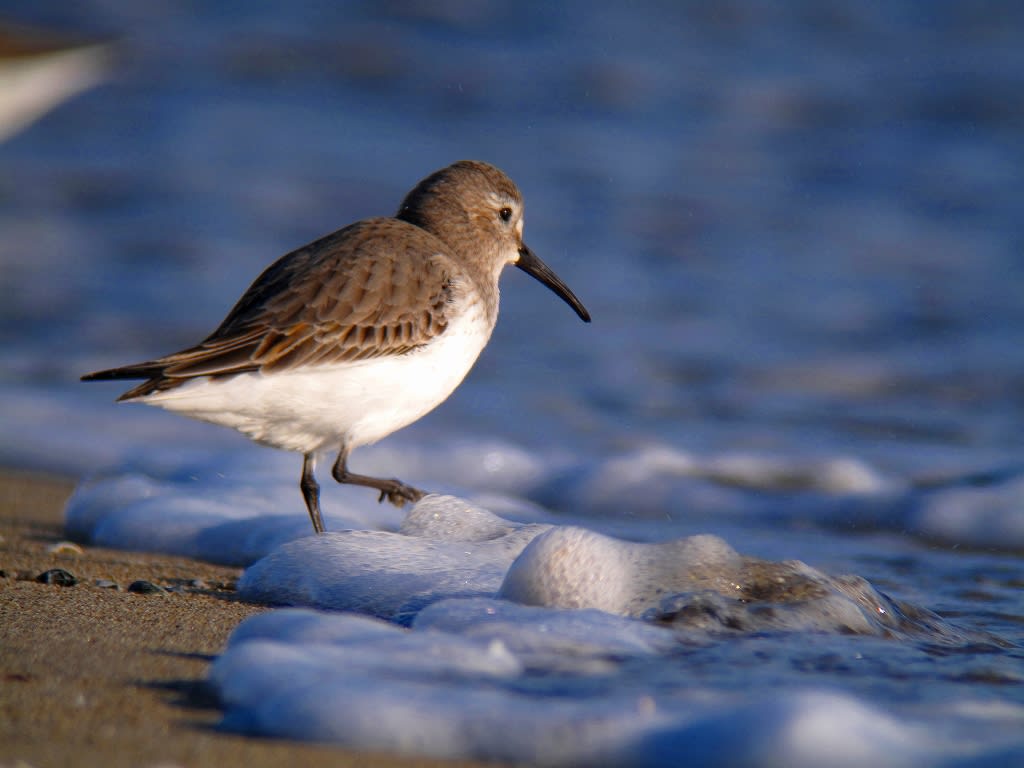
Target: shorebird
x=360, y=333
x=39, y=69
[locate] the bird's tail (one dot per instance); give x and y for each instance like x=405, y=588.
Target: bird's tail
x=149, y=371
x=137, y=371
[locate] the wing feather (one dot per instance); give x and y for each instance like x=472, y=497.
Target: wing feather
x=377, y=288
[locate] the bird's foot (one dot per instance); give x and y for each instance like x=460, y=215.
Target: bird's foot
x=398, y=493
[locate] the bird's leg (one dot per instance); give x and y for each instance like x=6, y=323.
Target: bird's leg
x=393, y=490
x=311, y=491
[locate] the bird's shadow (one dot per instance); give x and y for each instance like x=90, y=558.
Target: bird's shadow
x=195, y=696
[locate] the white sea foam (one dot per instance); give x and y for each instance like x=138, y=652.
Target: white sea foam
x=393, y=575
x=234, y=505
x=491, y=680
x=480, y=657
x=492, y=665
x=991, y=516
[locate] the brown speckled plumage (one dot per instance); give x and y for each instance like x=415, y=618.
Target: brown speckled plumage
x=378, y=287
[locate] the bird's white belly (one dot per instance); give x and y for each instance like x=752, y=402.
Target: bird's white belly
x=320, y=407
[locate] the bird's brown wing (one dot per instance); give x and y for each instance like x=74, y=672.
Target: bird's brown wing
x=379, y=287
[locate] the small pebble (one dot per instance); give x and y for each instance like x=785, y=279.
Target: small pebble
x=143, y=587
x=58, y=577
x=64, y=548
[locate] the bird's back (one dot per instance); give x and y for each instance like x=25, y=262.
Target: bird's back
x=376, y=288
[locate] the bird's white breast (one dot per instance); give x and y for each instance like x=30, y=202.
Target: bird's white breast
x=314, y=408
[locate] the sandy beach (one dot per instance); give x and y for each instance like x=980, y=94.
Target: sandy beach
x=95, y=674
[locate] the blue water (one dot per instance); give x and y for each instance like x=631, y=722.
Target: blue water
x=798, y=229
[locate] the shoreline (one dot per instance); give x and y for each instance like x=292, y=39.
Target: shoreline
x=97, y=675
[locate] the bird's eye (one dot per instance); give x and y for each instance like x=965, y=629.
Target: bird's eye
x=505, y=213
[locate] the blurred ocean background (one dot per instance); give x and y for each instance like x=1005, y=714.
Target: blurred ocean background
x=799, y=229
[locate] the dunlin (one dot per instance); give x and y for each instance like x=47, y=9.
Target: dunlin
x=359, y=333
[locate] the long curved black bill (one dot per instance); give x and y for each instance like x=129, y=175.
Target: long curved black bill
x=532, y=265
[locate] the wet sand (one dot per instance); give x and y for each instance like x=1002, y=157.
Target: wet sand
x=96, y=675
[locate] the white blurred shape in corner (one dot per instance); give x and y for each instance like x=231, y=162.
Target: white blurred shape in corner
x=39, y=70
